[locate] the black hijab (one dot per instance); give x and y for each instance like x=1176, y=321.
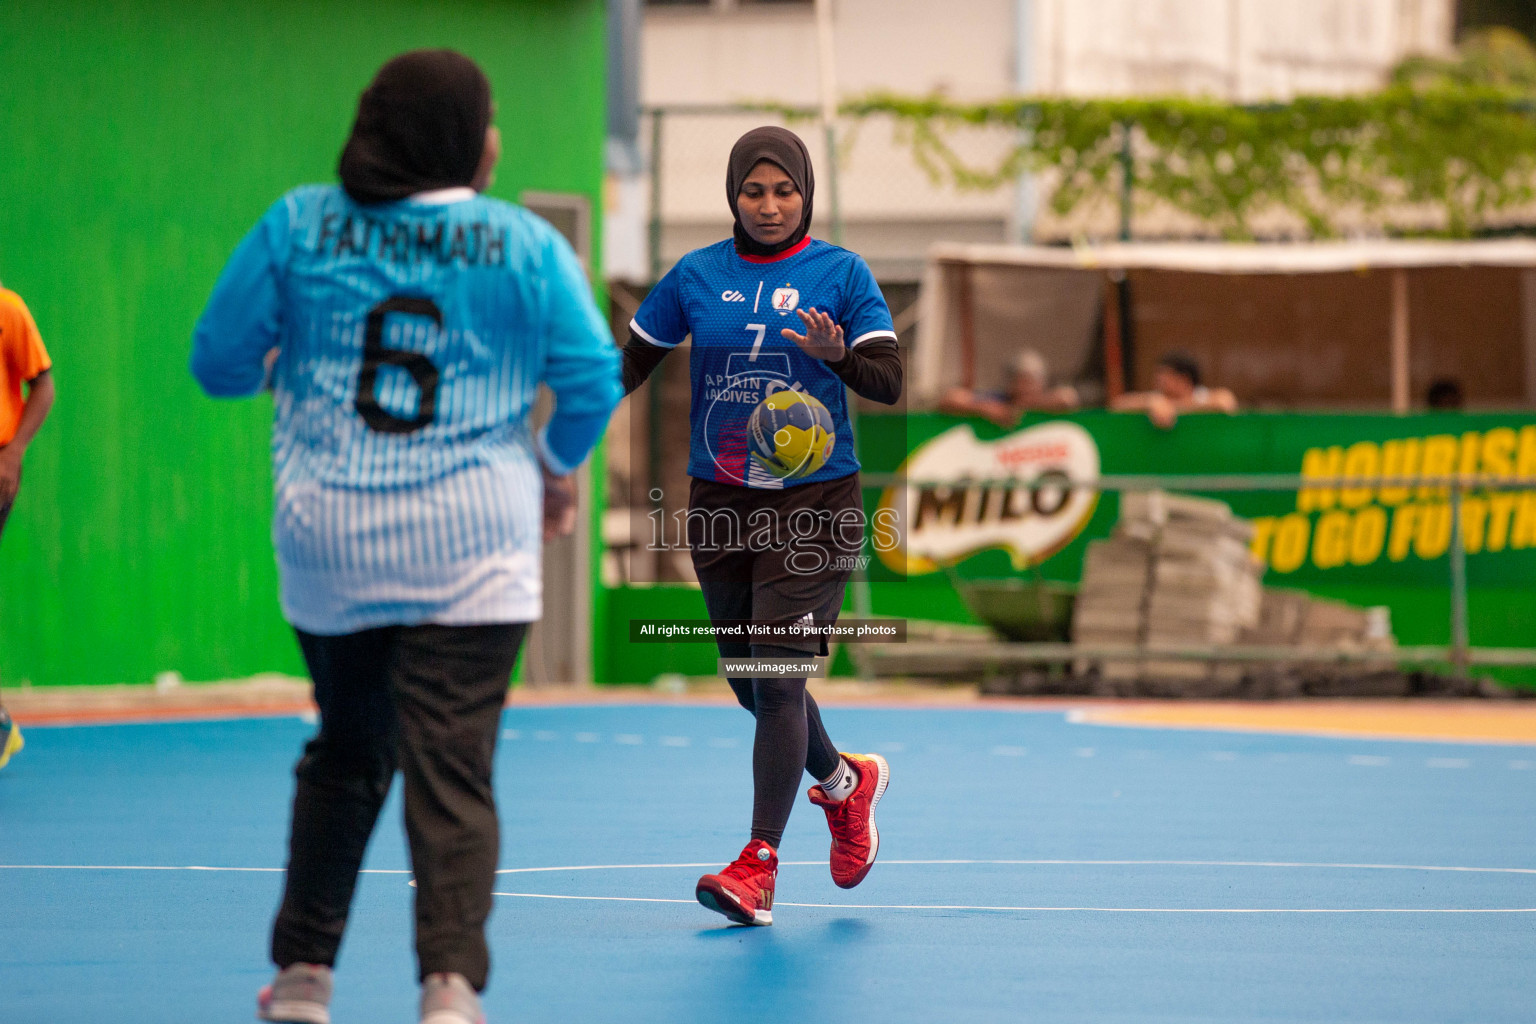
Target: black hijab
x=784, y=148
x=420, y=125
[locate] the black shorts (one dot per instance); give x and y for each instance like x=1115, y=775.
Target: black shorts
x=776, y=557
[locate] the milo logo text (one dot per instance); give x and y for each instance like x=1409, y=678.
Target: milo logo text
x=1015, y=493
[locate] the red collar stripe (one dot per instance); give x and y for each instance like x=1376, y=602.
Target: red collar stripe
x=786, y=254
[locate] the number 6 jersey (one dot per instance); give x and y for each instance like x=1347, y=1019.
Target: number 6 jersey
x=411, y=338
x=734, y=306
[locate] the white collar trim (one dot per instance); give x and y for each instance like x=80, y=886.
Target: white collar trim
x=444, y=196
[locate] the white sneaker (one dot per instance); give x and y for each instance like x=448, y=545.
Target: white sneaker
x=300, y=994
x=449, y=999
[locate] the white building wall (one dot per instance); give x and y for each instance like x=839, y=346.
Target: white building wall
x=1242, y=50
x=732, y=52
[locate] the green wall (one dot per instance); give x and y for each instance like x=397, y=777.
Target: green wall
x=142, y=139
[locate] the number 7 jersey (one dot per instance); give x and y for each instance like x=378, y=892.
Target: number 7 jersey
x=734, y=307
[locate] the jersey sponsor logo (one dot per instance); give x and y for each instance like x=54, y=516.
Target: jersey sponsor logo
x=785, y=299
x=729, y=400
x=733, y=296
x=1031, y=507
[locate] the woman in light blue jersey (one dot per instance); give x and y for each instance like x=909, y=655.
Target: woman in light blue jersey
x=776, y=517
x=404, y=323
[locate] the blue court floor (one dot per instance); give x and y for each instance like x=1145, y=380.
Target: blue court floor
x=1032, y=869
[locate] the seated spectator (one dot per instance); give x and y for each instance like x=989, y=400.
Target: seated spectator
x=1176, y=389
x=1028, y=389
x=1445, y=395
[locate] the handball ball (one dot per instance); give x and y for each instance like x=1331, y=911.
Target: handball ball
x=790, y=434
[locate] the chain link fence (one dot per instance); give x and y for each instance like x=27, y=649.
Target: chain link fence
x=874, y=197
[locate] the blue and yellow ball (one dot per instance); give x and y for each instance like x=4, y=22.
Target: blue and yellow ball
x=790, y=434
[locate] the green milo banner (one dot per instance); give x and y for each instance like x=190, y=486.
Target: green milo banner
x=1369, y=546
x=1389, y=535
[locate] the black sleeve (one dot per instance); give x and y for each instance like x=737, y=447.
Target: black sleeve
x=872, y=371
x=640, y=359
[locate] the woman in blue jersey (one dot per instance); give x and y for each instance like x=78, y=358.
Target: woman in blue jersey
x=404, y=323
x=775, y=512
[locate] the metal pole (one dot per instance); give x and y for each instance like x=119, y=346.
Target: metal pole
x=1127, y=178
x=967, y=326
x=1460, y=639
x=837, y=210
x=863, y=595
x=1114, y=347
x=1024, y=193
x=653, y=396
x=655, y=225
x=827, y=67
x=1400, y=399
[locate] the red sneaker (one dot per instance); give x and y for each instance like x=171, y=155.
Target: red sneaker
x=743, y=892
x=855, y=839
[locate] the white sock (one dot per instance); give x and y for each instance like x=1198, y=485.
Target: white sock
x=842, y=782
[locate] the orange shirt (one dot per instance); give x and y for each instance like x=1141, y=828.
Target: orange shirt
x=22, y=357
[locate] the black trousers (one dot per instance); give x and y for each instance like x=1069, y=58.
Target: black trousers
x=426, y=700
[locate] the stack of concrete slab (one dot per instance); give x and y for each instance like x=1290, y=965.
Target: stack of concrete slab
x=1111, y=600
x=1205, y=584
x=1281, y=615
x=1176, y=572
x=1289, y=618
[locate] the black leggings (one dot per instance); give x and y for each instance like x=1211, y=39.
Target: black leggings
x=789, y=739
x=746, y=577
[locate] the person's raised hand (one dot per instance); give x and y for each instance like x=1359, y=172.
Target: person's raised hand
x=822, y=339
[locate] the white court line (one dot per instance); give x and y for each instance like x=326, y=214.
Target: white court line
x=1034, y=862
x=1079, y=910
x=1093, y=910
x=923, y=906
x=124, y=867
x=1056, y=862
x=606, y=899
x=278, y=871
